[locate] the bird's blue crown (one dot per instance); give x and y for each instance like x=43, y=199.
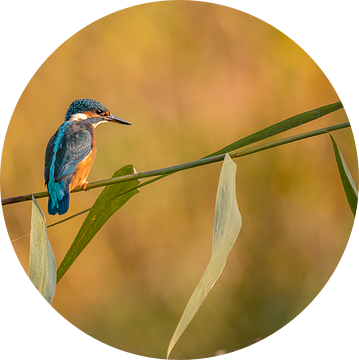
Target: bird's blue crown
x=81, y=105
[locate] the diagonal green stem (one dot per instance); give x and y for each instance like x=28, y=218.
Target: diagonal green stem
x=204, y=161
x=213, y=159
x=280, y=127
x=188, y=165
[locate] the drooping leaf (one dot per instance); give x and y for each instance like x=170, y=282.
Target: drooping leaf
x=111, y=199
x=348, y=183
x=227, y=224
x=280, y=127
x=42, y=268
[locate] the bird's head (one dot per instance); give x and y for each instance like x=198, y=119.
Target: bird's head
x=92, y=111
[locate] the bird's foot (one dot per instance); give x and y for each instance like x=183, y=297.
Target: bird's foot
x=84, y=186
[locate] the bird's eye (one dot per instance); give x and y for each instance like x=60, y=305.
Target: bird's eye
x=99, y=112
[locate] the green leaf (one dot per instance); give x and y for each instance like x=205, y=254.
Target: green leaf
x=227, y=224
x=280, y=127
x=348, y=183
x=111, y=199
x=42, y=269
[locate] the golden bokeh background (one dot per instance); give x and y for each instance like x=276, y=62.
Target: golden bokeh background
x=192, y=78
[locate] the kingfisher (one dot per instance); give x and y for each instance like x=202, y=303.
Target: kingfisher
x=71, y=151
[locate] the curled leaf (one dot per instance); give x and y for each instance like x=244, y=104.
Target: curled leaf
x=351, y=191
x=42, y=268
x=227, y=224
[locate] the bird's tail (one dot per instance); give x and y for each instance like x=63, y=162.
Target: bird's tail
x=59, y=198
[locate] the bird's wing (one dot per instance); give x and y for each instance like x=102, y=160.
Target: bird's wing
x=73, y=147
x=48, y=157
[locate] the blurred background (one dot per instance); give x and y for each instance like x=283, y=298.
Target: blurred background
x=192, y=78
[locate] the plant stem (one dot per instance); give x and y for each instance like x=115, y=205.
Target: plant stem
x=188, y=165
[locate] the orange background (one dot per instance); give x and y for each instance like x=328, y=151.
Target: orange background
x=191, y=77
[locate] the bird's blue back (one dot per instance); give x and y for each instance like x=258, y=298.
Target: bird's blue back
x=68, y=146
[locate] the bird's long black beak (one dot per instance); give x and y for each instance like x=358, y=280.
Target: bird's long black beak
x=115, y=119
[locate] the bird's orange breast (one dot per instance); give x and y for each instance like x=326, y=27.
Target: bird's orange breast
x=82, y=170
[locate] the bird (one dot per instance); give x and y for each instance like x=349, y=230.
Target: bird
x=71, y=151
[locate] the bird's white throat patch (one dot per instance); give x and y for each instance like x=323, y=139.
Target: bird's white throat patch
x=78, y=116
